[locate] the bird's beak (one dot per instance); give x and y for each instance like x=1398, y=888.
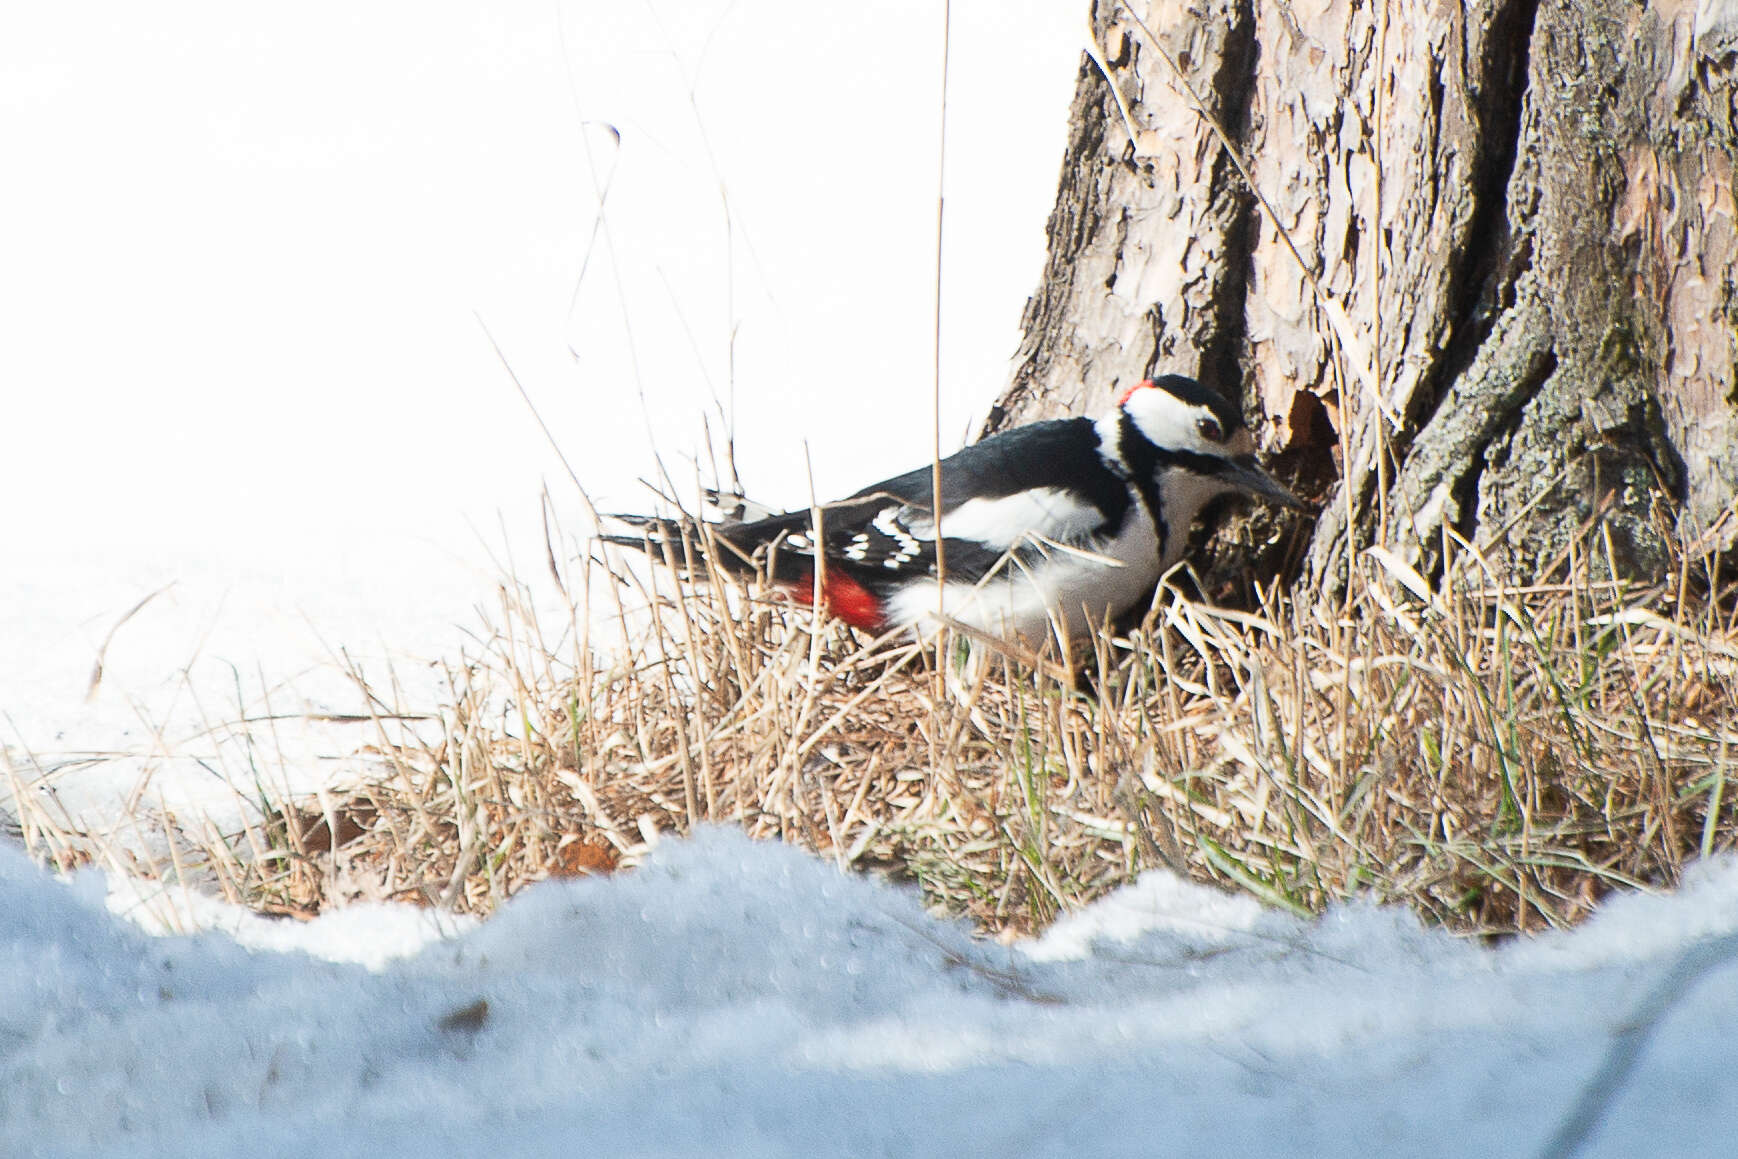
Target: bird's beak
x=1246, y=474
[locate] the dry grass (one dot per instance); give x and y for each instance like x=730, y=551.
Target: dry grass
x=1496, y=757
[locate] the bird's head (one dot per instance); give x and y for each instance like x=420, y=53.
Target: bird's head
x=1197, y=430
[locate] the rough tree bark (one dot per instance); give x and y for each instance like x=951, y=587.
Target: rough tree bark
x=1520, y=221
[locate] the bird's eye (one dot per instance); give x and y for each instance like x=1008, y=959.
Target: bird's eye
x=1211, y=430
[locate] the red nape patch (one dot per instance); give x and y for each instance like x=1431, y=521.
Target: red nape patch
x=845, y=598
x=1128, y=392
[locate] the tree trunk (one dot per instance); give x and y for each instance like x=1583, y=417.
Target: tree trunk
x=1517, y=322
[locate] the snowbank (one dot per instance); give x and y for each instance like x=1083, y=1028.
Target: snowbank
x=735, y=998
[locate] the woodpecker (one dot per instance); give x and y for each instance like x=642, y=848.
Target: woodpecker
x=1054, y=526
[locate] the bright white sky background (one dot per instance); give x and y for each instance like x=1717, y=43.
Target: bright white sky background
x=249, y=255
x=246, y=252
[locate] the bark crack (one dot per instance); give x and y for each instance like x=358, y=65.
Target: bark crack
x=1482, y=280
x=1503, y=420
x=1438, y=485
x=1234, y=87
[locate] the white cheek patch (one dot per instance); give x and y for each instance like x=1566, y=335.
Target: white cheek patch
x=1169, y=422
x=1008, y=520
x=1164, y=418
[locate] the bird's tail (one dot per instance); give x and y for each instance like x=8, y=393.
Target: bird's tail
x=726, y=511
x=734, y=507
x=685, y=543
x=737, y=535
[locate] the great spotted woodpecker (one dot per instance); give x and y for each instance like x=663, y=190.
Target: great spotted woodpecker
x=1053, y=526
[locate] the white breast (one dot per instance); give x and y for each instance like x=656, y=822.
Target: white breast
x=1077, y=589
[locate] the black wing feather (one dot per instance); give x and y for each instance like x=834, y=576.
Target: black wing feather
x=1060, y=453
x=1046, y=454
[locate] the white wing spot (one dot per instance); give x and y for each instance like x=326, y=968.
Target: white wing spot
x=887, y=521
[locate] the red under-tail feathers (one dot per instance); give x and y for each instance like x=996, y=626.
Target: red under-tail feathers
x=843, y=597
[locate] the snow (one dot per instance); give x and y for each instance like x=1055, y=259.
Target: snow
x=747, y=999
